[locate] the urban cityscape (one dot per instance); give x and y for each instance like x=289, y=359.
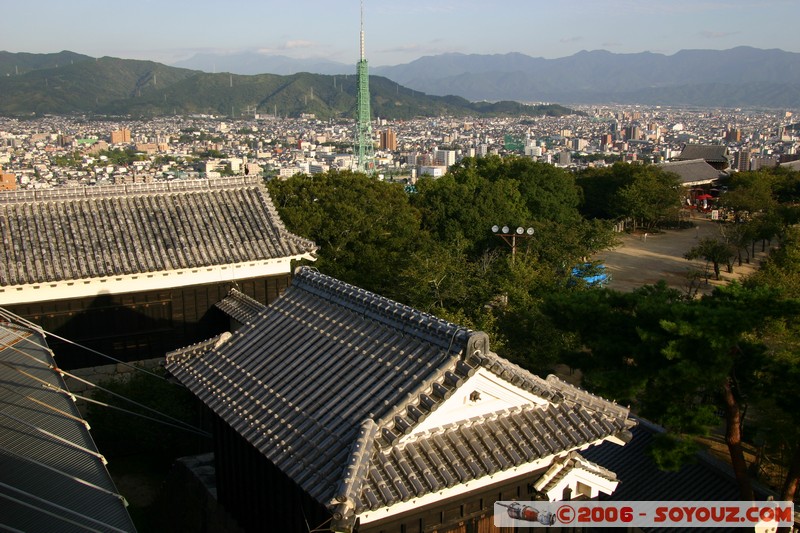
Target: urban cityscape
x=247, y=322
x=65, y=151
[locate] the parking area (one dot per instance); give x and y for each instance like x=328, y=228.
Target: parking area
x=643, y=259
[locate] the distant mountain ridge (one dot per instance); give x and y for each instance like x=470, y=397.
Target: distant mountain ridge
x=601, y=76
x=12, y=63
x=251, y=63
x=144, y=88
x=741, y=76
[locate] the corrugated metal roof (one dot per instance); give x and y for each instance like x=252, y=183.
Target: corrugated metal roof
x=92, y=232
x=328, y=379
x=51, y=476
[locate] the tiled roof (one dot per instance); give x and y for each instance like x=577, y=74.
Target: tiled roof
x=706, y=478
x=240, y=306
x=92, y=232
x=712, y=153
x=330, y=381
x=562, y=467
x=51, y=476
x=692, y=171
x=479, y=447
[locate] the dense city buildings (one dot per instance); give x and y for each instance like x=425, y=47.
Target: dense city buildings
x=121, y=136
x=388, y=140
x=67, y=151
x=8, y=182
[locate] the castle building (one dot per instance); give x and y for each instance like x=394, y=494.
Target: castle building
x=134, y=270
x=336, y=409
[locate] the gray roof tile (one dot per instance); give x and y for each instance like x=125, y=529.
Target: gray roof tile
x=712, y=153
x=240, y=306
x=92, y=232
x=692, y=171
x=329, y=365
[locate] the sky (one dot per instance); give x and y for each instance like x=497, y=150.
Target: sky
x=396, y=31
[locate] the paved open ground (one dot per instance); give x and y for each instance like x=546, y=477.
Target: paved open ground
x=642, y=259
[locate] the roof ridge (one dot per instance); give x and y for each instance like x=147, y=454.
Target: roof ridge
x=480, y=447
x=240, y=306
x=694, y=161
x=128, y=189
x=400, y=317
x=561, y=467
x=426, y=398
x=575, y=394
x=277, y=222
x=198, y=348
x=348, y=492
x=516, y=375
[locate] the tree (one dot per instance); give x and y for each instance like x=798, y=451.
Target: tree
x=478, y=193
x=366, y=229
x=644, y=193
x=653, y=196
x=780, y=385
x=749, y=193
x=714, y=251
x=681, y=361
x=600, y=187
x=464, y=206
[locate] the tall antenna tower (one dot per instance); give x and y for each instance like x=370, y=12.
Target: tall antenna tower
x=363, y=148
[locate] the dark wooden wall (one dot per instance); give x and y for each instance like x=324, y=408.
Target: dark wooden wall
x=140, y=325
x=255, y=493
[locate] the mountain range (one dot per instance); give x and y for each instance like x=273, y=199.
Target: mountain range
x=741, y=76
x=66, y=83
x=451, y=84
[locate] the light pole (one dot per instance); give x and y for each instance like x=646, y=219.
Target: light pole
x=510, y=236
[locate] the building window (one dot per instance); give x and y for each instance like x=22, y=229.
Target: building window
x=583, y=490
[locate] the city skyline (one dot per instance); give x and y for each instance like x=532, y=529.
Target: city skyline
x=169, y=32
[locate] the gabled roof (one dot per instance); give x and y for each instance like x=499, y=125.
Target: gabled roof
x=98, y=232
x=692, y=172
x=51, y=476
x=711, y=153
x=330, y=381
x=557, y=476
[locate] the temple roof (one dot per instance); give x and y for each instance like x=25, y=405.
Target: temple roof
x=692, y=172
x=711, y=153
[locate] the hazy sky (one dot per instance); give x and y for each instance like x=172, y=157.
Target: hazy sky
x=397, y=31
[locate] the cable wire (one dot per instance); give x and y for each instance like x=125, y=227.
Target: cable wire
x=59, y=507
x=134, y=402
x=118, y=408
x=11, y=317
x=180, y=424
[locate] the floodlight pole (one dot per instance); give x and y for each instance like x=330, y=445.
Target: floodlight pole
x=510, y=236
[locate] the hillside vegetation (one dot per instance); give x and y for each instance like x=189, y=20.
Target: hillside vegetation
x=58, y=85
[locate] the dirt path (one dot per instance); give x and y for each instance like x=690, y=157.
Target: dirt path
x=643, y=259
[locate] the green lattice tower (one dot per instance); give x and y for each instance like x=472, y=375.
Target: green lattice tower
x=363, y=148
